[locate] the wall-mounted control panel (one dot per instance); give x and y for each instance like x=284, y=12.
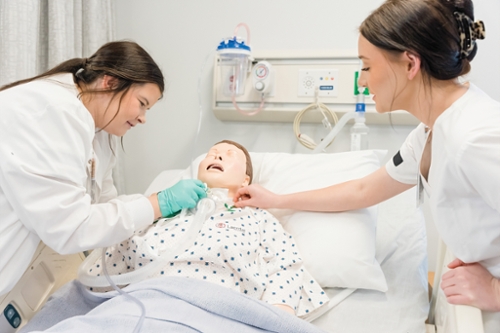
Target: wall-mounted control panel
x=325, y=80
x=289, y=80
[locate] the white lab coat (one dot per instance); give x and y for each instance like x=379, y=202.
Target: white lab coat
x=464, y=177
x=47, y=142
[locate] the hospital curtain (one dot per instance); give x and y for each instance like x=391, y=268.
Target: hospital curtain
x=36, y=35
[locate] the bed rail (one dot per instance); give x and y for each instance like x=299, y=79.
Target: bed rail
x=47, y=272
x=445, y=317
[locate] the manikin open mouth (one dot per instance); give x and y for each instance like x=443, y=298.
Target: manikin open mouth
x=215, y=166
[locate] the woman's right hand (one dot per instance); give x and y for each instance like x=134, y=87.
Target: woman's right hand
x=255, y=196
x=184, y=194
x=471, y=284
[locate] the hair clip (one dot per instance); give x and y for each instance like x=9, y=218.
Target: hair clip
x=478, y=30
x=468, y=32
x=78, y=72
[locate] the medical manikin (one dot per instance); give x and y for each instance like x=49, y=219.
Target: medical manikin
x=244, y=249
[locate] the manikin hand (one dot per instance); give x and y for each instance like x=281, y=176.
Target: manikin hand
x=255, y=196
x=471, y=284
x=286, y=308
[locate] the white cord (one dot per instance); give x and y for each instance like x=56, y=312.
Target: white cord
x=194, y=173
x=304, y=139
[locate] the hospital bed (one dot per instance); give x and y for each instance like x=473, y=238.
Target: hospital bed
x=386, y=291
x=47, y=272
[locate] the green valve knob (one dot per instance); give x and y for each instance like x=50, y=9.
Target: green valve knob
x=356, y=91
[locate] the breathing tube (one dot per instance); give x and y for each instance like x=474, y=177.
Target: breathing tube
x=357, y=114
x=205, y=208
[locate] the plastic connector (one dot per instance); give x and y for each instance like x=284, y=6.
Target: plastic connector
x=326, y=123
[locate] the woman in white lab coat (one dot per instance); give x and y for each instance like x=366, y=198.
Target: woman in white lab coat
x=58, y=134
x=413, y=54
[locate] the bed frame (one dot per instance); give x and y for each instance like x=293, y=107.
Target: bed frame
x=49, y=271
x=447, y=318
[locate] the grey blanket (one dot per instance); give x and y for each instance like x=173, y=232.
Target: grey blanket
x=172, y=305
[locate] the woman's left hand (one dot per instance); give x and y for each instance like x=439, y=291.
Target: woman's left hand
x=471, y=284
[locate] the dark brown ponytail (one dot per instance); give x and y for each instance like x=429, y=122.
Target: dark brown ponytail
x=124, y=60
x=426, y=27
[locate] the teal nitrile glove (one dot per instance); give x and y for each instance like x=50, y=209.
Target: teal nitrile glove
x=184, y=194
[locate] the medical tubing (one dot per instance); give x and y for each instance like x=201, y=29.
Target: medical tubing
x=138, y=326
x=301, y=137
x=248, y=113
x=200, y=107
x=205, y=206
x=244, y=25
x=235, y=104
x=336, y=129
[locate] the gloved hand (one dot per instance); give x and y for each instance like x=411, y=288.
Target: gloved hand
x=184, y=194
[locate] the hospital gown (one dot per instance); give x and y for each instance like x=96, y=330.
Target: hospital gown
x=244, y=249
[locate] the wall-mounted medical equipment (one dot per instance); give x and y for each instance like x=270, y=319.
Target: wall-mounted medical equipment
x=359, y=130
x=235, y=63
x=234, y=57
x=263, y=78
x=296, y=75
x=327, y=114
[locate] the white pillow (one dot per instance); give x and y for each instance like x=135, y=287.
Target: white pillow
x=338, y=249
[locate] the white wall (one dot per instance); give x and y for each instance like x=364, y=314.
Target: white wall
x=180, y=34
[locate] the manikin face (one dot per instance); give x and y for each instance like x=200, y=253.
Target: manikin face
x=384, y=76
x=134, y=104
x=224, y=167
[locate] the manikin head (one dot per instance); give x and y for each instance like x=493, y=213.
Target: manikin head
x=227, y=165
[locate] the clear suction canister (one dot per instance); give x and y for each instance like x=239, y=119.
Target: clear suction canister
x=234, y=57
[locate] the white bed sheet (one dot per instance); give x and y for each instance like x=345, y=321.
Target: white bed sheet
x=402, y=251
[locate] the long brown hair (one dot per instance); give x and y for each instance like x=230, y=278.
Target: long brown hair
x=125, y=61
x=425, y=27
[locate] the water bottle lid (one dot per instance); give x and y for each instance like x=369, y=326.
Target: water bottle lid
x=233, y=45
